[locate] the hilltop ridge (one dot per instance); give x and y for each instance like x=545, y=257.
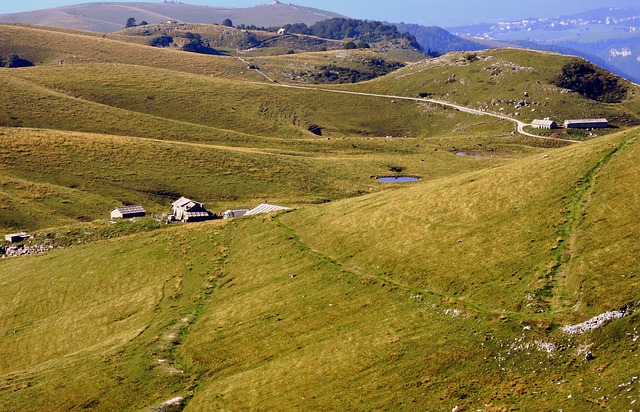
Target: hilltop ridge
x=106, y=17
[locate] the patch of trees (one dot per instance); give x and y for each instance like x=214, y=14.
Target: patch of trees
x=131, y=22
x=375, y=67
x=591, y=82
x=194, y=43
x=161, y=41
x=14, y=61
x=197, y=45
x=364, y=30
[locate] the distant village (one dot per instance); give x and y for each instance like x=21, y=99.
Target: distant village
x=630, y=23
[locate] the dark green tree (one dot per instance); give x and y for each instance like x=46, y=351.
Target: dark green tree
x=131, y=22
x=161, y=41
x=350, y=46
x=227, y=22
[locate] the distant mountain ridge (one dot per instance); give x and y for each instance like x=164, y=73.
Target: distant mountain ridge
x=438, y=40
x=106, y=17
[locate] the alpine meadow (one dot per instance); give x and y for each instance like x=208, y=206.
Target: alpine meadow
x=504, y=275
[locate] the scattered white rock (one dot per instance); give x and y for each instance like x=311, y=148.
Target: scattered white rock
x=594, y=323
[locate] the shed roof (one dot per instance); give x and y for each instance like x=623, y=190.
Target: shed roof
x=543, y=122
x=197, y=214
x=266, y=208
x=130, y=209
x=586, y=121
x=181, y=202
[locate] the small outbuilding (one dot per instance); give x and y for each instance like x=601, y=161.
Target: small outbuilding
x=16, y=237
x=128, y=212
x=545, y=123
x=265, y=208
x=187, y=210
x=230, y=214
x=586, y=124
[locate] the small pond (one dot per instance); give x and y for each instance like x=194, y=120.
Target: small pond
x=397, y=179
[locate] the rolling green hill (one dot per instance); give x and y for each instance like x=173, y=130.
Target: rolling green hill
x=317, y=309
x=106, y=17
x=505, y=279
x=507, y=81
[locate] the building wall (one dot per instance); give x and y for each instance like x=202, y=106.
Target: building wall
x=587, y=125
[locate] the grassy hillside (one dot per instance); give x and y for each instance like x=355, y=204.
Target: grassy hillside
x=305, y=310
x=96, y=326
x=105, y=17
x=507, y=81
x=58, y=177
x=44, y=46
x=475, y=232
x=451, y=293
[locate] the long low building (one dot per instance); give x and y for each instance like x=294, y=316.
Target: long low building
x=127, y=212
x=586, y=124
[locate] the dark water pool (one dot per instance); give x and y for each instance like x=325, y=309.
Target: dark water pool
x=397, y=179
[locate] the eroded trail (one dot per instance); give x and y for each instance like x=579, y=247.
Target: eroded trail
x=564, y=254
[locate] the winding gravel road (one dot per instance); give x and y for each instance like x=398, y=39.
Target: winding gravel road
x=519, y=125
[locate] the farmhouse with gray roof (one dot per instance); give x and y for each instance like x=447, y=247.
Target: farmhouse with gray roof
x=187, y=210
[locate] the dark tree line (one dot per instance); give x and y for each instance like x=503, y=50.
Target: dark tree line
x=364, y=30
x=361, y=31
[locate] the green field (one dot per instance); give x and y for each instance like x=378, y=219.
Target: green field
x=450, y=293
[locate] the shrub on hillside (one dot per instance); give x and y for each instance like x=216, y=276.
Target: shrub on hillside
x=161, y=41
x=591, y=82
x=13, y=61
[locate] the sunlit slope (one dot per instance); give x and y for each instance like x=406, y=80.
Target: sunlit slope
x=53, y=177
x=605, y=247
x=135, y=100
x=86, y=175
x=95, y=325
x=513, y=228
x=43, y=46
x=514, y=82
x=327, y=307
x=28, y=205
x=291, y=328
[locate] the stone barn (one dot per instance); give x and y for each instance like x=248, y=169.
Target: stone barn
x=545, y=123
x=187, y=210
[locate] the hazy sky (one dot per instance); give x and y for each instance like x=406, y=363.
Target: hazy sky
x=445, y=13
